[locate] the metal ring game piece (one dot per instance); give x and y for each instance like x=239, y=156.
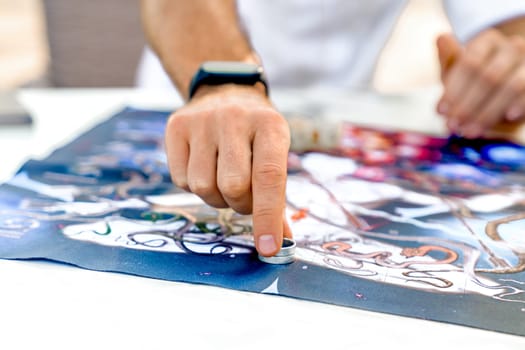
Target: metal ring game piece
x=285, y=256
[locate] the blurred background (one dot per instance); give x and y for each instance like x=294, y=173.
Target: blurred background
x=98, y=43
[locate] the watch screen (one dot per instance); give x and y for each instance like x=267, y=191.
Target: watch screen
x=231, y=67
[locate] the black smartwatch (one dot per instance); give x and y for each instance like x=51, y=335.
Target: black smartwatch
x=226, y=72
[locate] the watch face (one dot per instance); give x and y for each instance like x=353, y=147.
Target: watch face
x=231, y=67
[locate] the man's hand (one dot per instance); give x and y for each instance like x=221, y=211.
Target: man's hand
x=484, y=81
x=230, y=146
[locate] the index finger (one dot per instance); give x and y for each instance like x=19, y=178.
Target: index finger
x=270, y=153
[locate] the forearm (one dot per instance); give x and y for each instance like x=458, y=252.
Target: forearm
x=186, y=33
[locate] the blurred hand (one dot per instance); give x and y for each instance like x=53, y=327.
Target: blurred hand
x=230, y=146
x=483, y=82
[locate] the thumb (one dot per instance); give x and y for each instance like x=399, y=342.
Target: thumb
x=449, y=50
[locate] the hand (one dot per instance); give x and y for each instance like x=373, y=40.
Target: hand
x=484, y=82
x=230, y=146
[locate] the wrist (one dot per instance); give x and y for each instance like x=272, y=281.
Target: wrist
x=219, y=73
x=258, y=90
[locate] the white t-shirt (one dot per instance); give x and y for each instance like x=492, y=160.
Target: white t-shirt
x=336, y=43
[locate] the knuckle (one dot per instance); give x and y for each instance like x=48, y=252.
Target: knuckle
x=483, y=117
x=264, y=212
x=215, y=202
x=244, y=208
x=273, y=115
x=274, y=118
x=490, y=34
x=488, y=117
x=202, y=188
x=234, y=187
x=461, y=114
x=472, y=62
x=270, y=175
x=180, y=182
x=175, y=121
x=276, y=127
x=491, y=77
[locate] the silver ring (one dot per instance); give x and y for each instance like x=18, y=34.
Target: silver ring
x=284, y=256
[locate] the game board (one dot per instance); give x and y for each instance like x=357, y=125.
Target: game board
x=388, y=221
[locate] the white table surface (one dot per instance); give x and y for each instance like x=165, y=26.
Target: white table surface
x=53, y=306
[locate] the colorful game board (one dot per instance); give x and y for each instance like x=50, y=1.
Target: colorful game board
x=392, y=222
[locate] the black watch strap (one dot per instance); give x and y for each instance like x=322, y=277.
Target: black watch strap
x=218, y=73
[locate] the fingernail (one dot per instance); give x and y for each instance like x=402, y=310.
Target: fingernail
x=443, y=107
x=514, y=113
x=267, y=244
